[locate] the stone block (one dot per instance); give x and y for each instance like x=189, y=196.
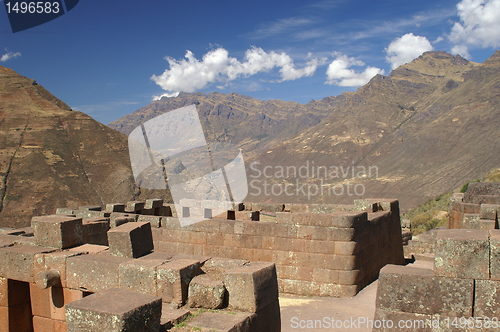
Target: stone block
x=487, y=224
x=470, y=221
x=117, y=219
x=55, y=261
x=221, y=321
x=153, y=203
x=494, y=254
x=94, y=231
x=205, y=291
x=252, y=287
x=462, y=253
x=417, y=290
x=139, y=275
x=155, y=221
x=94, y=273
x=131, y=240
x=42, y=324
x=173, y=279
x=114, y=310
x=134, y=207
x=17, y=262
x=489, y=211
x=57, y=231
x=114, y=207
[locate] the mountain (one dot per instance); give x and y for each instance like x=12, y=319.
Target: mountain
x=51, y=156
x=250, y=124
x=428, y=127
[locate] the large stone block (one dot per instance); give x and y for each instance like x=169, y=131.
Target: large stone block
x=489, y=211
x=417, y=290
x=131, y=240
x=173, y=279
x=205, y=291
x=252, y=287
x=139, y=275
x=114, y=310
x=94, y=231
x=95, y=272
x=57, y=231
x=462, y=253
x=17, y=262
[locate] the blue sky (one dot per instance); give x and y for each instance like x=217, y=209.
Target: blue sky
x=108, y=58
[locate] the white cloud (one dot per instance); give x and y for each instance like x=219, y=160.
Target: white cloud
x=406, y=48
x=191, y=74
x=338, y=72
x=479, y=25
x=9, y=55
x=168, y=95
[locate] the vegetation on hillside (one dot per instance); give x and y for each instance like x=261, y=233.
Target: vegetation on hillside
x=434, y=212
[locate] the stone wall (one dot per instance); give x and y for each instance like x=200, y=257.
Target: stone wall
x=325, y=250
x=477, y=208
x=459, y=292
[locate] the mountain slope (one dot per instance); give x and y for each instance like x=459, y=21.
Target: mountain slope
x=428, y=127
x=251, y=124
x=53, y=157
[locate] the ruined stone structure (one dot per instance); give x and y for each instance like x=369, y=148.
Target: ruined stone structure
x=99, y=271
x=477, y=208
x=459, y=291
x=318, y=249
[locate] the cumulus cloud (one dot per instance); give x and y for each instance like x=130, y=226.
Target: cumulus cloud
x=339, y=72
x=9, y=55
x=406, y=48
x=190, y=74
x=479, y=25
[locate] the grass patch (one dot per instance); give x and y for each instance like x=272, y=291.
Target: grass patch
x=431, y=214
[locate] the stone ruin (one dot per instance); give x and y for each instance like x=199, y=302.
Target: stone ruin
x=131, y=267
x=66, y=273
x=477, y=208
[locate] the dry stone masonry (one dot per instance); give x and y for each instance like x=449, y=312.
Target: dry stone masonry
x=93, y=270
